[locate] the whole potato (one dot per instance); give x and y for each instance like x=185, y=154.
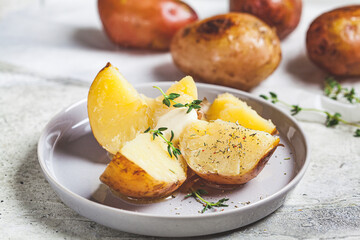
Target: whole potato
x=333, y=41
x=150, y=24
x=234, y=49
x=284, y=15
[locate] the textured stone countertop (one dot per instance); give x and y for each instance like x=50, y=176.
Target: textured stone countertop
x=50, y=52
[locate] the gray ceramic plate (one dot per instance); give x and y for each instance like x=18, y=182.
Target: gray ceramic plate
x=72, y=162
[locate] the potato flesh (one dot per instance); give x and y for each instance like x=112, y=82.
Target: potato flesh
x=127, y=178
x=224, y=148
x=227, y=107
x=176, y=120
x=117, y=113
x=185, y=87
x=151, y=155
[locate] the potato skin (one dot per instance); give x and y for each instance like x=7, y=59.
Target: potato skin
x=333, y=41
x=239, y=179
x=234, y=49
x=284, y=15
x=150, y=24
x=127, y=178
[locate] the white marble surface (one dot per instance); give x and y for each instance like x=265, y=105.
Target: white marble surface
x=50, y=52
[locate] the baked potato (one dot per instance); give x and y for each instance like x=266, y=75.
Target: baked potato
x=234, y=49
x=284, y=15
x=333, y=41
x=224, y=152
x=150, y=24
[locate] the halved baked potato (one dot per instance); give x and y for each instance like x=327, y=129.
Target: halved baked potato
x=224, y=152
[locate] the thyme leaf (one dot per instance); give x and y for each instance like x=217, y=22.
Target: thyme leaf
x=357, y=133
x=171, y=98
x=334, y=90
x=331, y=119
x=172, y=150
x=207, y=205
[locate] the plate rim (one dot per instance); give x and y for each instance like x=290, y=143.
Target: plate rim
x=283, y=191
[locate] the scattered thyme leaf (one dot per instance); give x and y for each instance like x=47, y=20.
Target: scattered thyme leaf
x=273, y=95
x=295, y=110
x=207, y=205
x=357, y=133
x=264, y=97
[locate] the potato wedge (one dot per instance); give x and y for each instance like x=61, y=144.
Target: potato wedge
x=227, y=107
x=117, y=112
x=144, y=169
x=224, y=152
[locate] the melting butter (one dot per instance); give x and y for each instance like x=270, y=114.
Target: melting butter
x=176, y=120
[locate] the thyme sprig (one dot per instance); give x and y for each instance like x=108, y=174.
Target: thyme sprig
x=334, y=90
x=195, y=104
x=357, y=133
x=172, y=150
x=207, y=205
x=331, y=119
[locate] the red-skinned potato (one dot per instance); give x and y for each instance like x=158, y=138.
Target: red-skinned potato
x=148, y=24
x=284, y=15
x=333, y=41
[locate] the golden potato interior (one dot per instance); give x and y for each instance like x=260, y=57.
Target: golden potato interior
x=144, y=169
x=224, y=152
x=227, y=107
x=187, y=89
x=117, y=113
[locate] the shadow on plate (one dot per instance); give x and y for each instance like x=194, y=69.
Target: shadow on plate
x=74, y=147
